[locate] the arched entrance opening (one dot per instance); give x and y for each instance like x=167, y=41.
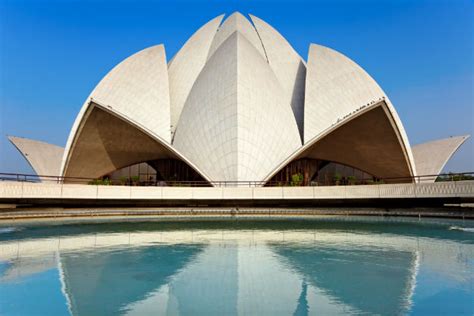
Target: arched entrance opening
x=316, y=172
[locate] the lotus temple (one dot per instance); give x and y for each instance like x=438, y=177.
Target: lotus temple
x=238, y=104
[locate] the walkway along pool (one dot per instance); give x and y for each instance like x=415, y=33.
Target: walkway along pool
x=325, y=265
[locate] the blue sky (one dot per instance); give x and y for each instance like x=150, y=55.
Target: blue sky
x=53, y=53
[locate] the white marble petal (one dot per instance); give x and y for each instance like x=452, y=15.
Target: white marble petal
x=431, y=157
x=236, y=22
x=336, y=87
x=186, y=66
x=44, y=158
x=288, y=66
x=136, y=89
x=234, y=126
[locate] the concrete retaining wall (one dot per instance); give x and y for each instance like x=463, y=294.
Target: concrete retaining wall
x=25, y=190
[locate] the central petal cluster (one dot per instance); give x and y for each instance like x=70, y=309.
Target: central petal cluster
x=236, y=103
x=237, y=121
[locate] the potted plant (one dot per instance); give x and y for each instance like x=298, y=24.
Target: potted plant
x=135, y=180
x=351, y=180
x=123, y=180
x=296, y=180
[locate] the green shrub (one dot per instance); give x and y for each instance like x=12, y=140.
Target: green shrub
x=123, y=180
x=105, y=181
x=296, y=180
x=135, y=179
x=351, y=180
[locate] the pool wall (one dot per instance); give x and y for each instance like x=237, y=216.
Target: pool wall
x=95, y=200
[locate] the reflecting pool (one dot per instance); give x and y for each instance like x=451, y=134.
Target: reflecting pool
x=323, y=266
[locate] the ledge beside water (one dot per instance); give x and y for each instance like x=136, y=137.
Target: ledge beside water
x=24, y=200
x=199, y=213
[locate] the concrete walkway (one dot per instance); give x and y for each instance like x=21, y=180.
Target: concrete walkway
x=382, y=195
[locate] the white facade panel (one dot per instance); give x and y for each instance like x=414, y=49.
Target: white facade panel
x=237, y=193
x=44, y=158
x=200, y=193
x=231, y=126
x=329, y=192
x=336, y=87
x=397, y=190
x=11, y=189
x=431, y=157
x=79, y=191
x=113, y=192
x=176, y=193
x=186, y=66
x=288, y=66
x=298, y=193
x=150, y=193
x=236, y=23
x=207, y=132
x=363, y=191
x=268, y=193
x=138, y=89
x=41, y=190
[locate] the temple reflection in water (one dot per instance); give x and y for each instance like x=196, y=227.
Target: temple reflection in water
x=230, y=272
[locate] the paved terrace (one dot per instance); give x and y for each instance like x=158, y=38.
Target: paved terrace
x=375, y=195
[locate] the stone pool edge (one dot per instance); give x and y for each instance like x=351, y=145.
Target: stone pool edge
x=223, y=213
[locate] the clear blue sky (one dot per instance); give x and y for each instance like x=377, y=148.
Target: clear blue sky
x=53, y=53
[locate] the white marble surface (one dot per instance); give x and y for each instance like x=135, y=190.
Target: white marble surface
x=431, y=157
x=235, y=126
x=44, y=158
x=186, y=66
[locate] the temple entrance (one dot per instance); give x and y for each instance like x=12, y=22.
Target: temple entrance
x=315, y=172
x=163, y=172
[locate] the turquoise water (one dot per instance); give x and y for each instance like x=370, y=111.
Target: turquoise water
x=325, y=266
